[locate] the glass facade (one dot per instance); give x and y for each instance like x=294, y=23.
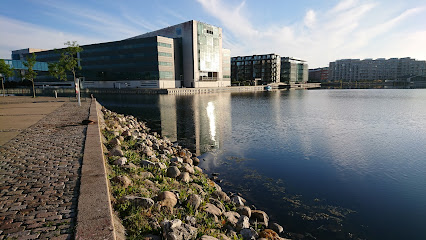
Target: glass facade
x=208, y=38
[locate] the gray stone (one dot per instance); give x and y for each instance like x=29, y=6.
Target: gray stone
x=245, y=211
x=138, y=201
x=123, y=180
x=260, y=216
x=173, y=172
x=184, y=177
x=130, y=165
x=197, y=168
x=237, y=200
x=217, y=203
x=249, y=234
x=194, y=200
x=144, y=175
x=148, y=152
x=187, y=160
x=160, y=165
x=212, y=209
x=276, y=227
x=221, y=196
x=191, y=220
x=116, y=151
x=176, y=230
x=195, y=161
x=146, y=163
x=126, y=133
x=243, y=222
x=114, y=142
x=167, y=199
x=187, y=168
x=232, y=217
x=121, y=161
x=176, y=159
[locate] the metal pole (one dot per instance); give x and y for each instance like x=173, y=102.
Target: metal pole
x=77, y=90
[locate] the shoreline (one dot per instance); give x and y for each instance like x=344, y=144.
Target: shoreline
x=152, y=176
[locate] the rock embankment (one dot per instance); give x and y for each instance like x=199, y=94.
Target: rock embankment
x=159, y=192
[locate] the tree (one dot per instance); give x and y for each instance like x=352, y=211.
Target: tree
x=5, y=71
x=30, y=74
x=67, y=63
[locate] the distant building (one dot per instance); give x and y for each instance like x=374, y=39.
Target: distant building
x=318, y=75
x=294, y=70
x=189, y=54
x=381, y=69
x=256, y=69
x=19, y=68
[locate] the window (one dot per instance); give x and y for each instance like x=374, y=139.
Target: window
x=166, y=75
x=165, y=64
x=164, y=54
x=160, y=44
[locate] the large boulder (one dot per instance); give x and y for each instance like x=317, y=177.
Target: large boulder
x=194, y=201
x=244, y=210
x=173, y=172
x=114, y=142
x=121, y=161
x=212, y=209
x=276, y=227
x=176, y=230
x=269, y=234
x=184, y=177
x=116, y=151
x=195, y=161
x=138, y=201
x=231, y=217
x=249, y=234
x=146, y=163
x=260, y=216
x=243, y=222
x=123, y=180
x=187, y=168
x=237, y=200
x=220, y=195
x=167, y=199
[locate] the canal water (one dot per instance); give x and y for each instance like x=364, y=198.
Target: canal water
x=327, y=164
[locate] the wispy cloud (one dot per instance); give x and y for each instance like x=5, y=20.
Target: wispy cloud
x=348, y=29
x=18, y=35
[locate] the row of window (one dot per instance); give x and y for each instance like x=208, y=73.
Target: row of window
x=165, y=63
x=160, y=44
x=166, y=75
x=164, y=54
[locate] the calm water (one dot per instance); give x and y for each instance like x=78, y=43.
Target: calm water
x=327, y=163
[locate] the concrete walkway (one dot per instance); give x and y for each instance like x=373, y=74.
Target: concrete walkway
x=41, y=150
x=18, y=113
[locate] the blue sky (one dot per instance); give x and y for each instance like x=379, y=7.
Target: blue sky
x=318, y=31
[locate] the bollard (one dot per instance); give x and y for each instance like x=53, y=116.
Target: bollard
x=56, y=94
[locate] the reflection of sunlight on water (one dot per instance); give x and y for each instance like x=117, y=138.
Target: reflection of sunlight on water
x=212, y=122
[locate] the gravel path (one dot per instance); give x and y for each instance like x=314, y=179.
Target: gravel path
x=39, y=176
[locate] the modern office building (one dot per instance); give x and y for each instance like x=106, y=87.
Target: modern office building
x=381, y=69
x=294, y=70
x=318, y=75
x=201, y=50
x=189, y=54
x=19, y=69
x=256, y=69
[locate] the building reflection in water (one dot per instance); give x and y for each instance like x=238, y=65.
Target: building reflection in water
x=197, y=122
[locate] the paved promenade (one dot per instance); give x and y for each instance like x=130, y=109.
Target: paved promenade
x=40, y=166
